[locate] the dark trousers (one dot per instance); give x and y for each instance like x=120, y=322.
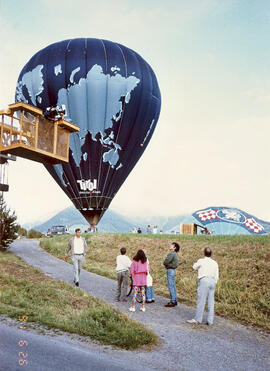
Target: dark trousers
x=122, y=280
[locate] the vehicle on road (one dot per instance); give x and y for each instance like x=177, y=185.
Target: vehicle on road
x=57, y=230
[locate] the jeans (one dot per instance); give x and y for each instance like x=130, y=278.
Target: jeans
x=171, y=284
x=122, y=280
x=206, y=290
x=150, y=293
x=77, y=261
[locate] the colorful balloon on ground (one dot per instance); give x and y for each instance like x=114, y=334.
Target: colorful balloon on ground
x=227, y=220
x=112, y=93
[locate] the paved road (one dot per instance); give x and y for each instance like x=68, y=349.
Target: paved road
x=45, y=353
x=225, y=346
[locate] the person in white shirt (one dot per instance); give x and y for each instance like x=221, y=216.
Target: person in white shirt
x=78, y=247
x=208, y=276
x=123, y=264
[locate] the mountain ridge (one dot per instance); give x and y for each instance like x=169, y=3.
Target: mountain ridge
x=112, y=222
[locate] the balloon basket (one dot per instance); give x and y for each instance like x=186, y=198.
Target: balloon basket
x=26, y=132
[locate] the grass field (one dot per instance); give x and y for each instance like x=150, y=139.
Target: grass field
x=242, y=293
x=29, y=295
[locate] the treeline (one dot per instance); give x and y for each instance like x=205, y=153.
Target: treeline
x=32, y=233
x=10, y=230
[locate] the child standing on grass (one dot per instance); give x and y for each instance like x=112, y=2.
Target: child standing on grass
x=122, y=268
x=150, y=297
x=138, y=271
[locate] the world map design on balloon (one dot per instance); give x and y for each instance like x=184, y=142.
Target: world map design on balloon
x=74, y=93
x=112, y=94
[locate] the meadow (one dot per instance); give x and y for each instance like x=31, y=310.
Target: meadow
x=242, y=293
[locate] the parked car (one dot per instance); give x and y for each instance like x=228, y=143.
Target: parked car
x=57, y=230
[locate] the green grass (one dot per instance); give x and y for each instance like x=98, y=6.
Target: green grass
x=26, y=291
x=242, y=293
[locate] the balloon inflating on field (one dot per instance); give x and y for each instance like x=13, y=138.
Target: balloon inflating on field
x=112, y=94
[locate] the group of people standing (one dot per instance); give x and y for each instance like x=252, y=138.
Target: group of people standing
x=140, y=271
x=149, y=230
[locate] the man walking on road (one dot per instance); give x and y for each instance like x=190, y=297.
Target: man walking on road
x=78, y=247
x=208, y=277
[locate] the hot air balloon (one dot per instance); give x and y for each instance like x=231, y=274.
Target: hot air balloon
x=227, y=220
x=112, y=94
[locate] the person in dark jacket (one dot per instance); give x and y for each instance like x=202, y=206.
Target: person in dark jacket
x=171, y=263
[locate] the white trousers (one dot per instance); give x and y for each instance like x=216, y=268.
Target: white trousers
x=77, y=261
x=206, y=291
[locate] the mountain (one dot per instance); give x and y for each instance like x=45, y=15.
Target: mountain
x=164, y=223
x=111, y=222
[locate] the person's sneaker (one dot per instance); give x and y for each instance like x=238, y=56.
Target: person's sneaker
x=148, y=301
x=170, y=305
x=131, y=309
x=209, y=324
x=77, y=284
x=153, y=300
x=193, y=320
x=117, y=300
x=142, y=309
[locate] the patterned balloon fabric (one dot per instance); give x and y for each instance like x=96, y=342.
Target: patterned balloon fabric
x=112, y=93
x=225, y=220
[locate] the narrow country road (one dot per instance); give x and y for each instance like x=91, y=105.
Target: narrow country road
x=225, y=346
x=47, y=353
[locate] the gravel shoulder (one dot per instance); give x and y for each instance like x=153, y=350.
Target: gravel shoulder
x=227, y=345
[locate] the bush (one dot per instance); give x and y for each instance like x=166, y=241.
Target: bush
x=22, y=231
x=8, y=225
x=34, y=234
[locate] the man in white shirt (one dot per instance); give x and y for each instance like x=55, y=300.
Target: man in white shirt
x=78, y=247
x=208, y=276
x=123, y=264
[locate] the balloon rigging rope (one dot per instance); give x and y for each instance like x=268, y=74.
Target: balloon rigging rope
x=78, y=159
x=72, y=137
x=105, y=115
x=87, y=113
x=75, y=196
x=120, y=124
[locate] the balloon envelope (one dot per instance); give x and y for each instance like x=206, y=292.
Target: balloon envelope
x=227, y=220
x=113, y=95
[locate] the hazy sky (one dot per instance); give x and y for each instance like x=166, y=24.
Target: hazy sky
x=212, y=61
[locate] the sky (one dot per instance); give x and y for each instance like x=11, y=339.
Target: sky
x=212, y=62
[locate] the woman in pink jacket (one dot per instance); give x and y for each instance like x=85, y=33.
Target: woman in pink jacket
x=138, y=270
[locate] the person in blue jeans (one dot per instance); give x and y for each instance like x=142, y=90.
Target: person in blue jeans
x=150, y=296
x=171, y=263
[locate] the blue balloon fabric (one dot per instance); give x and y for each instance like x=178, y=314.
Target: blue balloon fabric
x=226, y=220
x=112, y=94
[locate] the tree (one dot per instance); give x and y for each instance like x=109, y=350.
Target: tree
x=22, y=231
x=8, y=225
x=34, y=234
